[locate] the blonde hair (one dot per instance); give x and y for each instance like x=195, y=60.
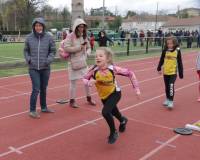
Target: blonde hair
x=174, y=41
x=108, y=52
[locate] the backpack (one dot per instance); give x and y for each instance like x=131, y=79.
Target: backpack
x=62, y=53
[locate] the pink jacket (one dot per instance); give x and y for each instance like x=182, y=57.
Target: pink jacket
x=117, y=71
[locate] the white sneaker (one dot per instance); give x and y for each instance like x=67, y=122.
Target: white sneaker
x=165, y=103
x=170, y=104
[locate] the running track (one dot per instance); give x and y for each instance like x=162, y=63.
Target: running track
x=74, y=134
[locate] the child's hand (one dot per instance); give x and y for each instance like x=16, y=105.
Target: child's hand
x=159, y=72
x=138, y=95
x=91, y=82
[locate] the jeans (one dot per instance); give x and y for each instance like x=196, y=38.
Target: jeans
x=39, y=79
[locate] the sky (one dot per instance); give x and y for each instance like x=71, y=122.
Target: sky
x=122, y=6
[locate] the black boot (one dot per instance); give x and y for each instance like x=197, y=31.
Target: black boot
x=73, y=104
x=90, y=101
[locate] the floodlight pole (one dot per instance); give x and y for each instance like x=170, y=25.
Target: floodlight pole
x=103, y=20
x=156, y=17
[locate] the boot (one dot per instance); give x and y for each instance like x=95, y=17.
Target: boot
x=73, y=104
x=90, y=101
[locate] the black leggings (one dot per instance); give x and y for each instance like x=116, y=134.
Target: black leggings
x=169, y=86
x=110, y=109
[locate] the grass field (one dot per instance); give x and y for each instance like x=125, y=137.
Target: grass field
x=14, y=51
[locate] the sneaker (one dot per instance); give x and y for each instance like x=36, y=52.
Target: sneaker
x=72, y=103
x=47, y=110
x=170, y=105
x=34, y=114
x=122, y=126
x=113, y=137
x=90, y=101
x=198, y=100
x=165, y=103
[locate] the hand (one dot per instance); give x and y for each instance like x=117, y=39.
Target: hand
x=91, y=82
x=159, y=72
x=82, y=47
x=138, y=95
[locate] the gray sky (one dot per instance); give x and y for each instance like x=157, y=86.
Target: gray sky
x=136, y=5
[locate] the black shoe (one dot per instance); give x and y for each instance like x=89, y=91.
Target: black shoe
x=113, y=137
x=122, y=126
x=90, y=101
x=72, y=103
x=47, y=110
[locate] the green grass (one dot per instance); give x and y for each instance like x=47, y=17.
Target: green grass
x=63, y=64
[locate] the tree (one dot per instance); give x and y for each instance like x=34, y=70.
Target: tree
x=130, y=14
x=66, y=17
x=30, y=9
x=116, y=23
x=18, y=14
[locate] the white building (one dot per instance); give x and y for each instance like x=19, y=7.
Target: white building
x=185, y=24
x=146, y=22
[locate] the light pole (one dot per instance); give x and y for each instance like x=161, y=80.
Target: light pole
x=103, y=20
x=156, y=17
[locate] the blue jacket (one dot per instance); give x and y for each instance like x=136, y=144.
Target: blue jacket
x=39, y=50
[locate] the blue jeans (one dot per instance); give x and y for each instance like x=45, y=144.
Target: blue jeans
x=39, y=79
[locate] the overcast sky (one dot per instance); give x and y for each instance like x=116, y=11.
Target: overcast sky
x=136, y=5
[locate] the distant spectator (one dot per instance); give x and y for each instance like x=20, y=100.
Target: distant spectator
x=198, y=40
x=92, y=40
x=1, y=36
x=64, y=34
x=103, y=39
x=141, y=35
x=189, y=40
x=122, y=36
x=134, y=37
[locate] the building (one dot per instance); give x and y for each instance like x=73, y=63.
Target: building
x=189, y=12
x=96, y=20
x=144, y=22
x=77, y=9
x=185, y=24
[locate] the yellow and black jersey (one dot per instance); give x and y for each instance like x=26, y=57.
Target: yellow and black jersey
x=171, y=60
x=105, y=82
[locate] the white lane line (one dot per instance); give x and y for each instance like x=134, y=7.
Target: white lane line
x=156, y=97
x=90, y=122
x=81, y=97
x=95, y=93
x=153, y=152
x=150, y=124
x=65, y=85
x=168, y=145
x=12, y=149
x=58, y=77
x=97, y=119
x=156, y=125
x=49, y=137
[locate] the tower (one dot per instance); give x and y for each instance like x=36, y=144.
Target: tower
x=77, y=9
